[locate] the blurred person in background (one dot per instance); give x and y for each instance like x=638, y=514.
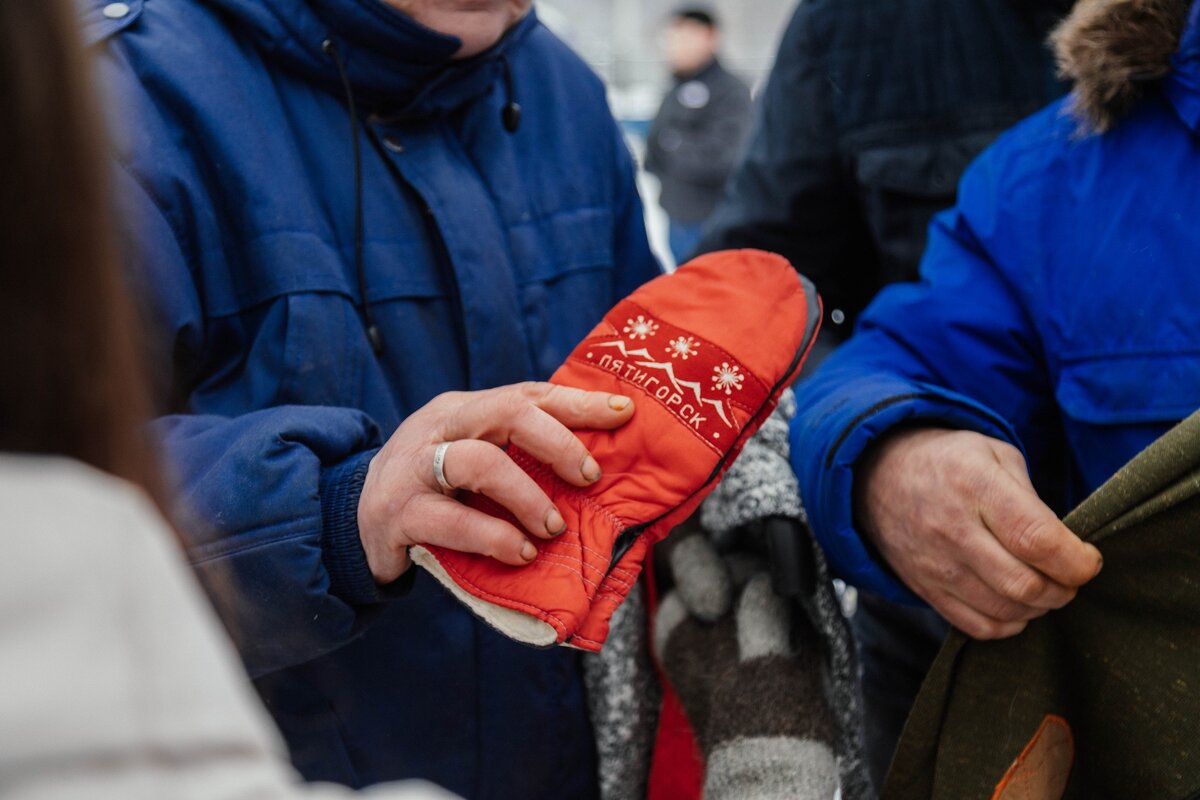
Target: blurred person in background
x=366, y=227
x=698, y=133
x=870, y=115
x=116, y=678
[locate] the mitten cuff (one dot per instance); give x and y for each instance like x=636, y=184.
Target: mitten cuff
x=544, y=602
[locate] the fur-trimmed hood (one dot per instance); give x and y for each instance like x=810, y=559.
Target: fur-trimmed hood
x=1112, y=49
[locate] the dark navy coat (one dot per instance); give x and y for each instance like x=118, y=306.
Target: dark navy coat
x=871, y=112
x=1057, y=311
x=487, y=255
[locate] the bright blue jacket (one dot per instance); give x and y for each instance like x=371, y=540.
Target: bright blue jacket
x=1057, y=310
x=487, y=255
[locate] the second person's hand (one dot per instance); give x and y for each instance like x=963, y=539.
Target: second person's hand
x=955, y=515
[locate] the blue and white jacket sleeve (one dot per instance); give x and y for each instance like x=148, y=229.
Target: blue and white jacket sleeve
x=957, y=349
x=268, y=499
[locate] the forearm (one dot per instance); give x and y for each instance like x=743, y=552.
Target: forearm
x=272, y=497
x=843, y=412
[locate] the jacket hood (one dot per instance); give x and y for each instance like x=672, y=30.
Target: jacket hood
x=392, y=61
x=1114, y=49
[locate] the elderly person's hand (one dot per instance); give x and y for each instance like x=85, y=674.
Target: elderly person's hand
x=955, y=515
x=403, y=503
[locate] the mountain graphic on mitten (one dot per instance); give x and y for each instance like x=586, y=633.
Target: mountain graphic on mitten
x=705, y=352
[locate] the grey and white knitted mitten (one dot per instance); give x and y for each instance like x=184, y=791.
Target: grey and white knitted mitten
x=751, y=687
x=769, y=683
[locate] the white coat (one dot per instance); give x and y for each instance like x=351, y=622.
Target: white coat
x=116, y=678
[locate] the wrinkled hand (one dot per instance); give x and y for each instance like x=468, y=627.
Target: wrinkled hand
x=402, y=504
x=955, y=515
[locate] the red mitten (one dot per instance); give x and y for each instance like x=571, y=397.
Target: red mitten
x=705, y=352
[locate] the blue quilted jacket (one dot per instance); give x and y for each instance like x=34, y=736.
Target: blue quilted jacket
x=1057, y=311
x=298, y=340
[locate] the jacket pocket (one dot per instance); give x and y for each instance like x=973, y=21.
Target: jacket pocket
x=565, y=263
x=546, y=249
x=928, y=169
x=285, y=325
x=1130, y=388
x=902, y=186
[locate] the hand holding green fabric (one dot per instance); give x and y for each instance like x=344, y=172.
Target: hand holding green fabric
x=1118, y=664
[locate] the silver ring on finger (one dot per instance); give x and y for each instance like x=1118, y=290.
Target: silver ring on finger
x=439, y=467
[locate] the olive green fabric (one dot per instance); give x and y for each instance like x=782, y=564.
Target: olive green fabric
x=1121, y=663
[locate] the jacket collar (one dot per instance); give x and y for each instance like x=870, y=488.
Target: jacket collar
x=1182, y=86
x=393, y=62
x=704, y=72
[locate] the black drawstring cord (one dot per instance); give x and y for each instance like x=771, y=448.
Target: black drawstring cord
x=510, y=115
x=373, y=334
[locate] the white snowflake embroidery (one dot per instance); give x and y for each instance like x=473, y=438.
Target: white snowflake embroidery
x=727, y=377
x=641, y=327
x=682, y=347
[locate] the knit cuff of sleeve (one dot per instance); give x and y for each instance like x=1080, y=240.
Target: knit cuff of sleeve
x=350, y=577
x=831, y=508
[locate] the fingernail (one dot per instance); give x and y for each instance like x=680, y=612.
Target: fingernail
x=590, y=470
x=554, y=522
x=528, y=551
x=618, y=402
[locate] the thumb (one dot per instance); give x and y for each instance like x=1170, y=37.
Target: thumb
x=670, y=615
x=701, y=578
x=764, y=621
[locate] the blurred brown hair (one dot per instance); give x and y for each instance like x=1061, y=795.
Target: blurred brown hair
x=1113, y=51
x=72, y=381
